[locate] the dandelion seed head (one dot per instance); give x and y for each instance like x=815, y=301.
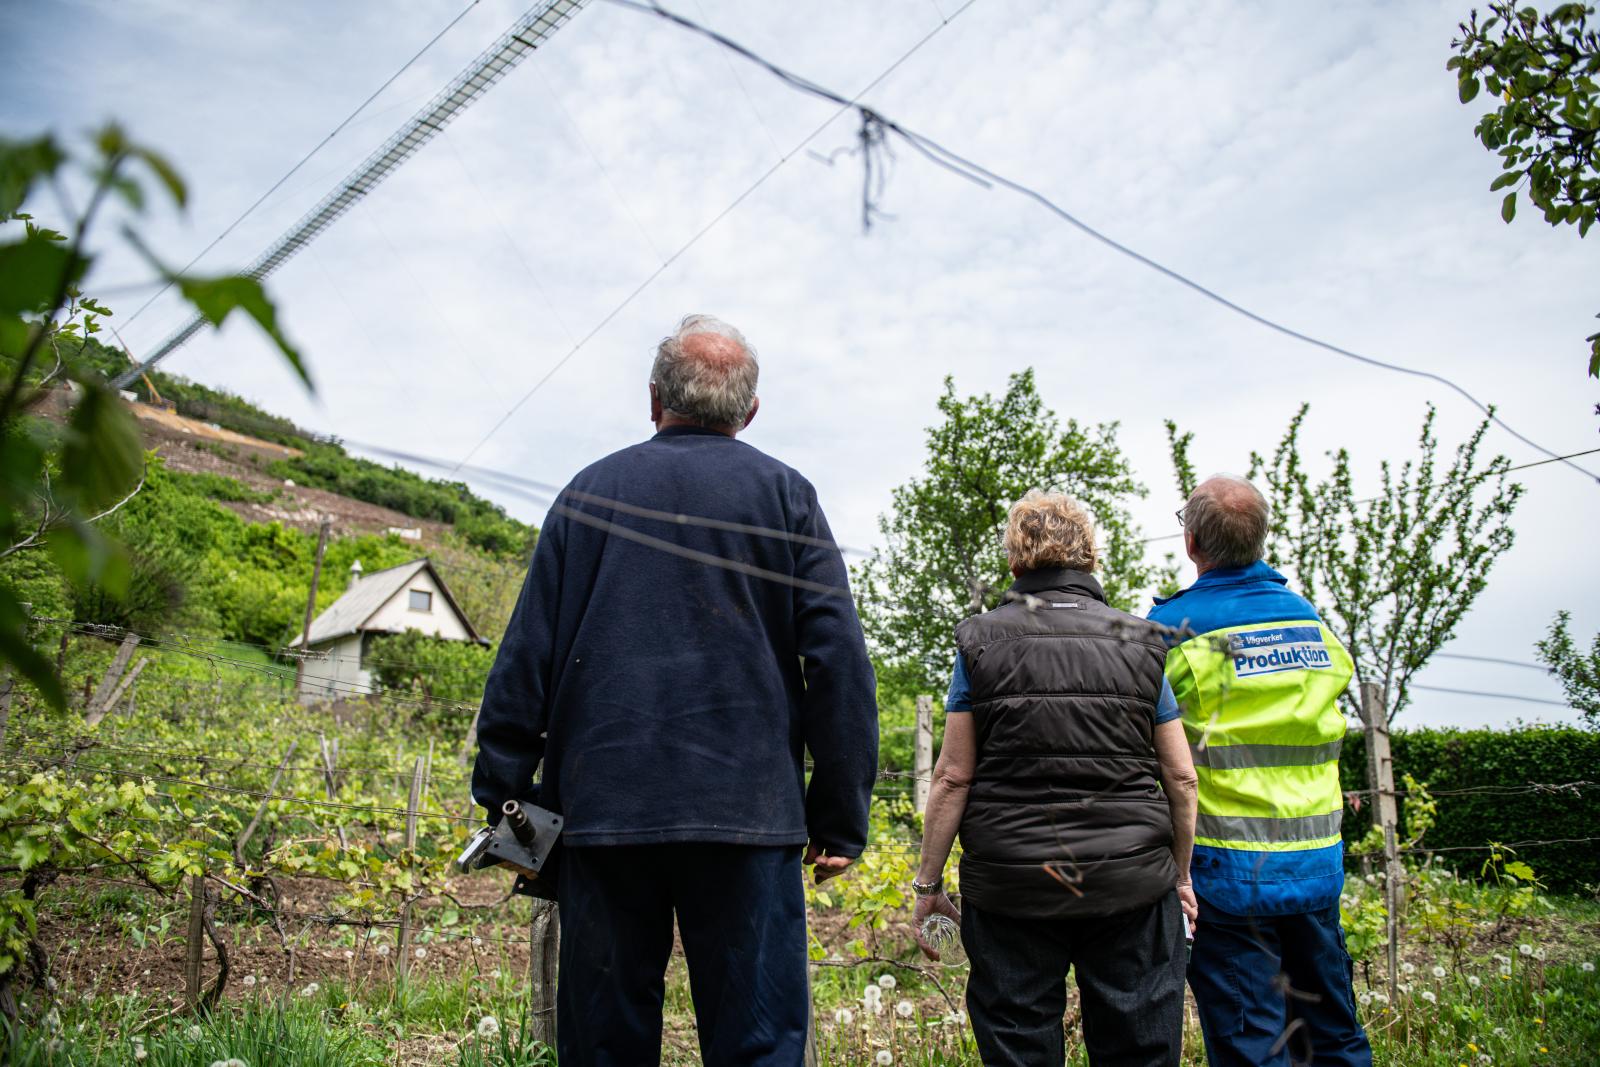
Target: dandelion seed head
x=844, y=1016
x=1430, y=996
x=1408, y=967
x=905, y=1009
x=886, y=981
x=884, y=1057
x=1365, y=999
x=249, y=980
x=195, y=1033
x=383, y=950
x=1438, y=971
x=488, y=1026
x=1474, y=981
x=1588, y=968
x=421, y=953
x=311, y=990
x=1526, y=950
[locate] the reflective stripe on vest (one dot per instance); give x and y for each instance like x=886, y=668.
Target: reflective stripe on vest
x=1269, y=831
x=1260, y=707
x=1239, y=757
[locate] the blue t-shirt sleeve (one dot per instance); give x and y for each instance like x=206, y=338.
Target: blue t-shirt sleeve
x=1166, y=704
x=960, y=696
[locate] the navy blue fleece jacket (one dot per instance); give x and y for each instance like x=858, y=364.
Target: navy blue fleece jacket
x=673, y=676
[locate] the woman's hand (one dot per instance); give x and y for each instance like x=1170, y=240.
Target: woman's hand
x=937, y=904
x=1190, y=906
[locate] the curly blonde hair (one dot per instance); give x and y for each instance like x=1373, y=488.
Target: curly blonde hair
x=1050, y=530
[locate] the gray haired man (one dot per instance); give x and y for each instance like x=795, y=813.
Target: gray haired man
x=684, y=640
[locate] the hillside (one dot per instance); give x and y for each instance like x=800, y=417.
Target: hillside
x=302, y=476
x=222, y=537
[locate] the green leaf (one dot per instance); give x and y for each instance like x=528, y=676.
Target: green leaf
x=1510, y=177
x=31, y=273
x=1468, y=88
x=101, y=456
x=1518, y=869
x=1594, y=356
x=88, y=558
x=215, y=299
x=1508, y=207
x=17, y=653
x=21, y=164
x=164, y=171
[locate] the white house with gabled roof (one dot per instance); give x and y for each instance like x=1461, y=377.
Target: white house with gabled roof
x=411, y=596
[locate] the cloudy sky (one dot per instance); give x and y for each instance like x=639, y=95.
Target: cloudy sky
x=1309, y=161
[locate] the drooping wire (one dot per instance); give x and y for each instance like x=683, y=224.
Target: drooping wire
x=622, y=305
x=967, y=168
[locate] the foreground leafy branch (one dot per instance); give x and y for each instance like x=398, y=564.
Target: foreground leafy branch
x=1546, y=129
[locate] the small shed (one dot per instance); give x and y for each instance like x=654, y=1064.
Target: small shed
x=411, y=596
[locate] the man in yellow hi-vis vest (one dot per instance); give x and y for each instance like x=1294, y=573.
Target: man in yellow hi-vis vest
x=1259, y=687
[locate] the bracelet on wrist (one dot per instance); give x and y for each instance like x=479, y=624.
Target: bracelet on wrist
x=927, y=889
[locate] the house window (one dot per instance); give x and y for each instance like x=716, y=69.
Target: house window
x=421, y=600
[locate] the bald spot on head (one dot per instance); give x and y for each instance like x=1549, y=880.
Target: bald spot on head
x=1234, y=495
x=1226, y=519
x=715, y=351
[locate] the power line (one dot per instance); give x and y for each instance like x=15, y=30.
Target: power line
x=1496, y=696
x=1373, y=499
x=537, y=491
x=875, y=126
x=527, y=33
x=845, y=105
x=1494, y=659
x=320, y=145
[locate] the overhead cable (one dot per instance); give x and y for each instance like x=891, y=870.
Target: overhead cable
x=844, y=105
x=875, y=125
x=320, y=145
x=527, y=33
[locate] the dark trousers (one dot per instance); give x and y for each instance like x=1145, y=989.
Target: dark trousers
x=1130, y=982
x=741, y=914
x=1276, y=990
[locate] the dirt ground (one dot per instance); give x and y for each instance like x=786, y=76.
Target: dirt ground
x=244, y=459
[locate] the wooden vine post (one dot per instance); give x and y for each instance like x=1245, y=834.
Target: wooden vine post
x=261, y=809
x=403, y=965
x=924, y=753
x=544, y=952
x=1380, y=773
x=311, y=607
x=196, y=944
x=100, y=702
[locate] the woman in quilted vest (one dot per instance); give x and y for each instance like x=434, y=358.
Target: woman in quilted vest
x=1066, y=774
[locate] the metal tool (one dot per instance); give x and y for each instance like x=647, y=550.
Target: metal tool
x=523, y=840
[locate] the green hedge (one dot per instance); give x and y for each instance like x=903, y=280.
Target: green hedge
x=1464, y=759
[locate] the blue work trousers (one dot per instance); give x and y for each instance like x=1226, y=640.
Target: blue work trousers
x=1276, y=990
x=741, y=914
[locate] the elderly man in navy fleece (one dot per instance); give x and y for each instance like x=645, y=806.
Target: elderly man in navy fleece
x=684, y=639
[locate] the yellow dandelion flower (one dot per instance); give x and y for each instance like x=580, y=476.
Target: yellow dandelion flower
x=1471, y=1047
x=1538, y=1020
x=1543, y=1049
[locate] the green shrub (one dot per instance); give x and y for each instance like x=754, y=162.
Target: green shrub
x=481, y=523
x=1446, y=760
x=431, y=667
